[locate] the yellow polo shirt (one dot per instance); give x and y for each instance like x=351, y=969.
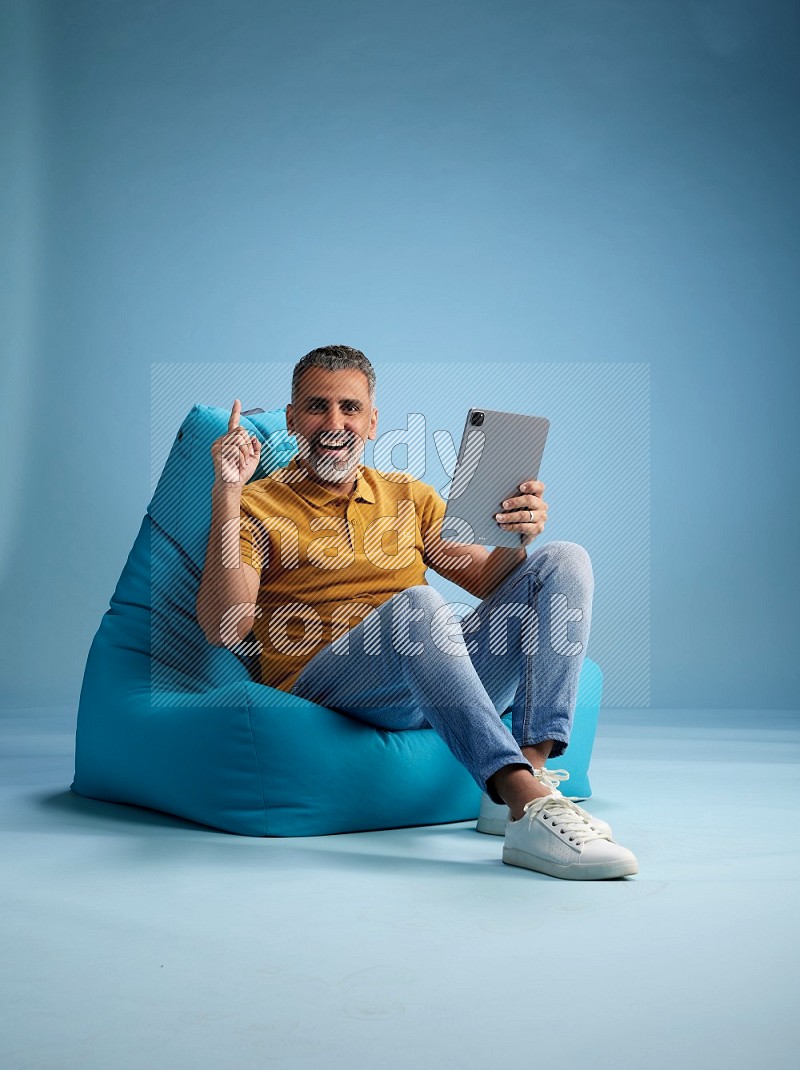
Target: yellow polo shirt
x=326, y=559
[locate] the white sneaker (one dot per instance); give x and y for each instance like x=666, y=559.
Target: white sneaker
x=493, y=816
x=553, y=837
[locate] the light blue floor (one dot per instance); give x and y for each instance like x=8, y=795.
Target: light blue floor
x=135, y=940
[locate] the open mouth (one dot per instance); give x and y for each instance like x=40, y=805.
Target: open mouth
x=332, y=447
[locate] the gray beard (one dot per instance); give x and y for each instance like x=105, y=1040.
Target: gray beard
x=335, y=469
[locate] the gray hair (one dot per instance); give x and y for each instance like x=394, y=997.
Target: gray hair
x=335, y=359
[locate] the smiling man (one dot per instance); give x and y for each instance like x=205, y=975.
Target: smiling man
x=325, y=560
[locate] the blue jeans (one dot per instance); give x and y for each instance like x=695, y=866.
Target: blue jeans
x=413, y=663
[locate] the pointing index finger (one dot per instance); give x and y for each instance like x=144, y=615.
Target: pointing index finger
x=233, y=422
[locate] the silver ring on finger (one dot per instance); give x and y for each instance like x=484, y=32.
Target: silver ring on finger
x=530, y=515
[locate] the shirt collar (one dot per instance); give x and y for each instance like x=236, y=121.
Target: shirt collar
x=316, y=494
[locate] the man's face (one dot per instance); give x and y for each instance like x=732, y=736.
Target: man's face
x=332, y=418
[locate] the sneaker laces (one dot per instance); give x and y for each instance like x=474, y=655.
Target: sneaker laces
x=562, y=815
x=551, y=778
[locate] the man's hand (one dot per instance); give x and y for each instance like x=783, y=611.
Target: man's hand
x=236, y=454
x=525, y=513
x=471, y=565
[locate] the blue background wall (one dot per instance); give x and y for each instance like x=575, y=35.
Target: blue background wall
x=548, y=181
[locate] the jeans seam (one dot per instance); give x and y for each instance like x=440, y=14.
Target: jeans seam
x=529, y=698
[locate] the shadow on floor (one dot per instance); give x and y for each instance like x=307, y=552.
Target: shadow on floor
x=413, y=852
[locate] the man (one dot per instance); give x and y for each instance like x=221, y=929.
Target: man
x=344, y=617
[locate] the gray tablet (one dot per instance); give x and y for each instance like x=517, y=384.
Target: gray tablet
x=499, y=450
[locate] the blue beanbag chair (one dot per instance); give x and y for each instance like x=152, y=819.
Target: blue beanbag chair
x=169, y=722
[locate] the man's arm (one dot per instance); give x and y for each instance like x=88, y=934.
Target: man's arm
x=475, y=568
x=226, y=600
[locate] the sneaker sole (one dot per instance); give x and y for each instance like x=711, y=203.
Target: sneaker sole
x=593, y=871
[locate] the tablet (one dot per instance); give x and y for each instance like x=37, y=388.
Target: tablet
x=499, y=450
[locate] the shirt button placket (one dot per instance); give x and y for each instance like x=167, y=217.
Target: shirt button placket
x=350, y=527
